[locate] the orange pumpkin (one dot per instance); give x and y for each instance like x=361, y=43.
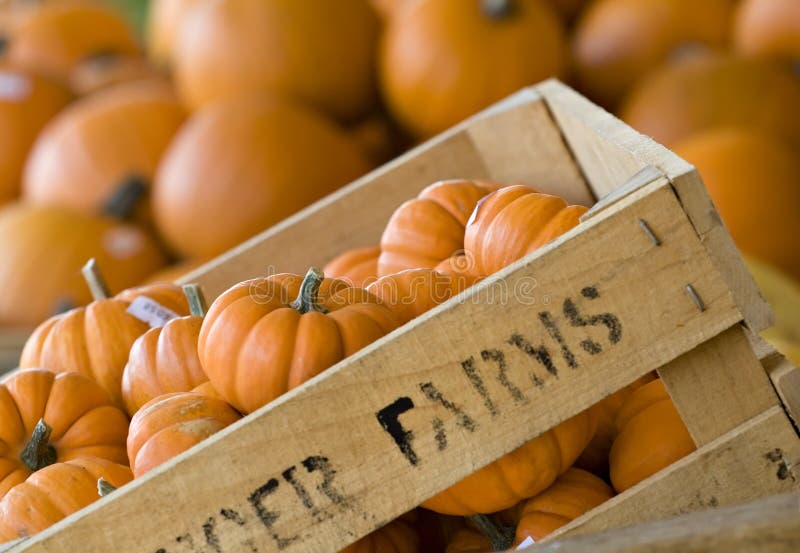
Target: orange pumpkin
x=100, y=143
x=358, y=266
x=512, y=222
x=443, y=60
x=521, y=474
x=105, y=70
x=425, y=231
x=460, y=266
x=468, y=540
x=27, y=102
x=680, y=99
x=170, y=424
x=238, y=167
x=55, y=492
x=730, y=161
x=574, y=493
x=96, y=340
x=650, y=436
x=57, y=36
x=164, y=359
x=256, y=343
x=568, y=9
x=175, y=272
x=399, y=536
x=164, y=20
x=206, y=389
x=316, y=51
x=48, y=418
x=618, y=41
x=768, y=28
x=42, y=249
x=377, y=137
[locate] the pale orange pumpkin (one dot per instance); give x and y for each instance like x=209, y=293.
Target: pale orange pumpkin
x=164, y=20
x=105, y=70
x=238, y=167
x=768, y=28
x=316, y=51
x=358, y=266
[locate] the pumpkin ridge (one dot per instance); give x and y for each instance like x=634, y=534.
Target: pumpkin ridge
x=404, y=247
x=20, y=423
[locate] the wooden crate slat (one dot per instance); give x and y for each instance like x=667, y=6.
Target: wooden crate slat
x=757, y=459
x=325, y=436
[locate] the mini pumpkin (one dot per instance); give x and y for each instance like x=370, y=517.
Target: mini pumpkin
x=257, y=341
x=425, y=231
x=521, y=474
x=399, y=536
x=164, y=359
x=468, y=540
x=358, y=266
x=56, y=492
x=650, y=436
x=768, y=28
x=172, y=423
x=105, y=70
x=512, y=222
x=95, y=340
x=47, y=418
x=164, y=20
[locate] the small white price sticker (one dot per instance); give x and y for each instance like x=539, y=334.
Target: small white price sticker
x=151, y=312
x=525, y=543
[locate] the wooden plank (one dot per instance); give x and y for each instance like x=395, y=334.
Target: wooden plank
x=718, y=385
x=769, y=525
x=403, y=418
x=758, y=459
x=610, y=152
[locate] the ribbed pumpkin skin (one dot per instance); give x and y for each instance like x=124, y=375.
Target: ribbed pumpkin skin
x=768, y=28
x=54, y=493
x=254, y=347
x=164, y=21
x=36, y=277
x=512, y=222
x=425, y=231
x=27, y=103
x=358, y=267
x=238, y=167
x=83, y=420
x=396, y=537
x=650, y=436
x=520, y=474
x=171, y=424
x=444, y=60
x=96, y=144
x=283, y=48
x=163, y=360
x=574, y=493
x=56, y=36
x=97, y=339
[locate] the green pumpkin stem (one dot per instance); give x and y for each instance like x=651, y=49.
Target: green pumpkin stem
x=125, y=198
x=104, y=487
x=38, y=453
x=197, y=302
x=498, y=9
x=309, y=291
x=95, y=281
x=501, y=537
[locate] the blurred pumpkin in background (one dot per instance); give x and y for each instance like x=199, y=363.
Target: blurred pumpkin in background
x=104, y=70
x=173, y=272
x=444, y=60
x=239, y=166
x=768, y=28
x=317, y=51
x=569, y=9
x=163, y=26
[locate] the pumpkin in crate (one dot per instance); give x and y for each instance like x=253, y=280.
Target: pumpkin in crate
x=49, y=418
x=444, y=60
x=164, y=20
x=227, y=49
x=468, y=540
x=105, y=70
x=172, y=423
x=95, y=148
x=512, y=222
x=399, y=536
x=176, y=271
x=164, y=359
x=27, y=103
x=523, y=473
x=768, y=28
x=425, y=231
x=42, y=249
x=95, y=340
x=56, y=492
x=358, y=266
x=265, y=336
x=238, y=167
x=56, y=36
x=650, y=436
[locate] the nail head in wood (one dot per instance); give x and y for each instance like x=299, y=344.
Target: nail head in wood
x=695, y=298
x=649, y=232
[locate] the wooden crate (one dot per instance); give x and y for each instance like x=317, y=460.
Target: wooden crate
x=649, y=281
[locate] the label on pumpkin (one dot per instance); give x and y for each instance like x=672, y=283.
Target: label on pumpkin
x=151, y=312
x=525, y=543
x=14, y=87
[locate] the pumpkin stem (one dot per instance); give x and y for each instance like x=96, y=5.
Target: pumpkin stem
x=95, y=281
x=124, y=199
x=498, y=9
x=38, y=453
x=309, y=290
x=197, y=302
x=501, y=537
x=104, y=487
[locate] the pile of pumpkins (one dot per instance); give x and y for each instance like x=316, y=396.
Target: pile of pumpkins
x=182, y=371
